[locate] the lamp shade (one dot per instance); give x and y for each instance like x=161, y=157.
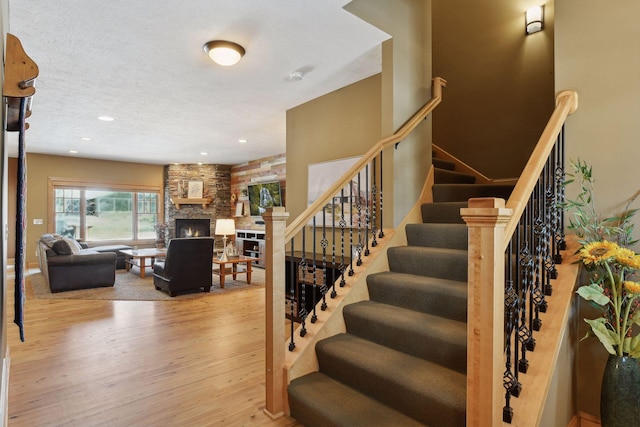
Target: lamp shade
x=224, y=52
x=225, y=227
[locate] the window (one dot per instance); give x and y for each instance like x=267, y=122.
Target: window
x=82, y=211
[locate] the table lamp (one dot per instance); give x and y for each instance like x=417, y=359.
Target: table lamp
x=225, y=227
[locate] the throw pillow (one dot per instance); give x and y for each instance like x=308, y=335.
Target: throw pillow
x=61, y=247
x=73, y=245
x=48, y=239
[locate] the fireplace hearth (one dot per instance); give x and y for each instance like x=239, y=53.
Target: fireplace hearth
x=193, y=227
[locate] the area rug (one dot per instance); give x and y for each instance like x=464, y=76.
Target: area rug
x=130, y=286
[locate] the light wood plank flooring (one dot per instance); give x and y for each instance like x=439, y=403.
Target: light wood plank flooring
x=195, y=362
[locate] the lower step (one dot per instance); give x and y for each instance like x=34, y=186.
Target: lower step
x=317, y=400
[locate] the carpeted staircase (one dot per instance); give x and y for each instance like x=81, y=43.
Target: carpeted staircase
x=402, y=361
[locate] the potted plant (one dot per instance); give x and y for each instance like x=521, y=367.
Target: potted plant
x=161, y=234
x=613, y=289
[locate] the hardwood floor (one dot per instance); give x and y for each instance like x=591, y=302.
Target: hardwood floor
x=190, y=363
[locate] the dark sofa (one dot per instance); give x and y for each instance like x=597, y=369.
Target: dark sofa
x=68, y=265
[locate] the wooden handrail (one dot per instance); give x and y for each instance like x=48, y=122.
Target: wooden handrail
x=406, y=129
x=566, y=104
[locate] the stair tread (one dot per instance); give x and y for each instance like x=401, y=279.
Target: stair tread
x=409, y=384
x=442, y=176
x=422, y=335
x=317, y=399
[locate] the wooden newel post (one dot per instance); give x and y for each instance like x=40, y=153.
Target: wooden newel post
x=486, y=219
x=275, y=224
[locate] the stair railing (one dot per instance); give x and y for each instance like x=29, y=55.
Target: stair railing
x=513, y=252
x=323, y=247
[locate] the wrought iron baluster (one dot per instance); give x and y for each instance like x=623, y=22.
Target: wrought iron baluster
x=374, y=202
x=314, y=279
x=524, y=333
x=333, y=249
x=381, y=233
x=343, y=225
x=359, y=223
x=302, y=303
x=537, y=296
x=529, y=212
x=367, y=212
x=510, y=382
x=351, y=272
x=324, y=243
x=292, y=294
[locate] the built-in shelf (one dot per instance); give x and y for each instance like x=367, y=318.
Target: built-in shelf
x=180, y=201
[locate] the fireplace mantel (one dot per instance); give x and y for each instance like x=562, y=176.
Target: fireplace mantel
x=180, y=201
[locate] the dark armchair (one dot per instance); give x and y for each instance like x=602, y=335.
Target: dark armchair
x=186, y=266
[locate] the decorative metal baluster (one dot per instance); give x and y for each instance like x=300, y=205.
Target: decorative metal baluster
x=550, y=202
x=381, y=234
x=314, y=279
x=560, y=243
x=359, y=209
x=292, y=294
x=300, y=278
x=374, y=202
x=524, y=334
x=537, y=297
x=333, y=249
x=509, y=379
x=367, y=211
x=516, y=241
x=324, y=243
x=351, y=272
x=343, y=225
x=529, y=212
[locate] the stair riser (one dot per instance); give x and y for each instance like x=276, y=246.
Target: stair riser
x=464, y=192
x=451, y=236
x=441, y=263
x=423, y=294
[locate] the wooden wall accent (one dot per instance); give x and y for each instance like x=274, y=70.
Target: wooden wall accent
x=273, y=168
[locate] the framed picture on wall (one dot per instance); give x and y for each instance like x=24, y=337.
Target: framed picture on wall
x=195, y=190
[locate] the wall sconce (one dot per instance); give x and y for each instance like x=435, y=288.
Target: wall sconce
x=224, y=52
x=534, y=19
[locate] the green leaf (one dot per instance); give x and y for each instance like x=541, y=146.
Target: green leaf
x=607, y=337
x=593, y=293
x=632, y=346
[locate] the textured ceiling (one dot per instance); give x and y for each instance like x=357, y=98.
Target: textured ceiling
x=142, y=63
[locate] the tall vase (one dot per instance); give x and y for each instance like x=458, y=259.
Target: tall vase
x=620, y=394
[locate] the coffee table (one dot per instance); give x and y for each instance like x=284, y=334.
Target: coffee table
x=233, y=262
x=138, y=257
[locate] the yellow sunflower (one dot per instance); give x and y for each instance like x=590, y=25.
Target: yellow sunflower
x=627, y=258
x=598, y=252
x=632, y=287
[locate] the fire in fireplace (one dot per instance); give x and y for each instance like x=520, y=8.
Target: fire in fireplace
x=193, y=227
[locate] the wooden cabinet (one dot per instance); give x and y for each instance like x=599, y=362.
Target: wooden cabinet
x=252, y=243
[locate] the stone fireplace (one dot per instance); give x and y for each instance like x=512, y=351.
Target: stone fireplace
x=216, y=192
x=193, y=227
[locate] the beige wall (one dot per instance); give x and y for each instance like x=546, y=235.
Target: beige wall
x=4, y=208
x=344, y=123
x=41, y=167
x=406, y=87
x=598, y=55
x=500, y=90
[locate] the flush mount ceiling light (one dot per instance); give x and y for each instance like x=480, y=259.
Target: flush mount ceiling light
x=534, y=19
x=224, y=52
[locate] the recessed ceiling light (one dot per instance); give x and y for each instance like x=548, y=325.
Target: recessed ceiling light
x=105, y=118
x=204, y=154
x=242, y=141
x=85, y=138
x=73, y=151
